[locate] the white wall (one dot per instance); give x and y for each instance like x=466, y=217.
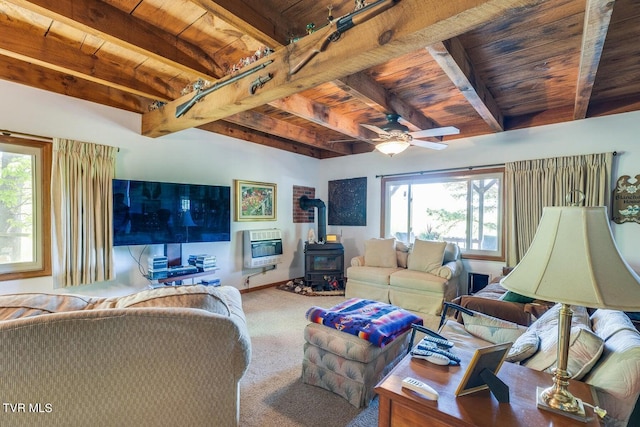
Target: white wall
x=202, y=157
x=598, y=135
x=191, y=156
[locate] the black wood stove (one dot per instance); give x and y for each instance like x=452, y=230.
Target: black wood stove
x=324, y=266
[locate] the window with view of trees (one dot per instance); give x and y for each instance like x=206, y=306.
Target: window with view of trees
x=465, y=208
x=24, y=208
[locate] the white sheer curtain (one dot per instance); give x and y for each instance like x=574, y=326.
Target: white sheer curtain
x=81, y=198
x=533, y=184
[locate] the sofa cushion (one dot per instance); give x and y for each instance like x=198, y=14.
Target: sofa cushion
x=492, y=329
x=417, y=280
x=426, y=255
x=374, y=275
x=380, y=253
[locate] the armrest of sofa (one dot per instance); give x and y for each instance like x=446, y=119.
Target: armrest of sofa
x=448, y=270
x=357, y=261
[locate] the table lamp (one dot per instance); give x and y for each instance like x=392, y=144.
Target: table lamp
x=573, y=260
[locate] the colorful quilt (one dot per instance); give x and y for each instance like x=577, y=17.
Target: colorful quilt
x=374, y=321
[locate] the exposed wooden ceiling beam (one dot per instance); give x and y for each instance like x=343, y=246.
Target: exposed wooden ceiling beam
x=244, y=18
x=320, y=114
x=47, y=79
x=47, y=52
x=367, y=90
x=261, y=122
x=455, y=62
x=404, y=28
x=239, y=132
x=596, y=24
x=113, y=25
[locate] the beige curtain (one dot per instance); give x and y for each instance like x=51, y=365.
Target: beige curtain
x=81, y=198
x=531, y=185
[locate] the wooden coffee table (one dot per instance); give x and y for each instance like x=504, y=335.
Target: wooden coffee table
x=401, y=407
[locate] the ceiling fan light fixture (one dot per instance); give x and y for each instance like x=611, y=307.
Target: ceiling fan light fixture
x=392, y=147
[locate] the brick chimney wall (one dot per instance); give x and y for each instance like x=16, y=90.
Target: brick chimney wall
x=299, y=215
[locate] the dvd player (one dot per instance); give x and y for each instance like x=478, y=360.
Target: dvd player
x=181, y=270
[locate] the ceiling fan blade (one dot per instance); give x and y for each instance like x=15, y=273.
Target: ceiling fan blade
x=447, y=130
x=429, y=144
x=376, y=129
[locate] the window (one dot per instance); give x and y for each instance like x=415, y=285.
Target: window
x=25, y=219
x=462, y=207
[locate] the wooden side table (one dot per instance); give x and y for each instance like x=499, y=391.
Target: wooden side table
x=403, y=408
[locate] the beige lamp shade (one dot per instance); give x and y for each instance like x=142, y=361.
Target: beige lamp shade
x=573, y=259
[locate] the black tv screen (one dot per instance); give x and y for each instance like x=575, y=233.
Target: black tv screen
x=148, y=212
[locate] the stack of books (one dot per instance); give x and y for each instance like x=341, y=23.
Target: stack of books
x=203, y=262
x=157, y=267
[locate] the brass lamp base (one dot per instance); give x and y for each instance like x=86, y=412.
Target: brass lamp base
x=573, y=409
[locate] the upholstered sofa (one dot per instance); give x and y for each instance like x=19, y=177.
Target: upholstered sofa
x=604, y=351
x=168, y=356
x=496, y=301
x=418, y=279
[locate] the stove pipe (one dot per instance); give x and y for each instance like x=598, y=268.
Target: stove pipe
x=307, y=203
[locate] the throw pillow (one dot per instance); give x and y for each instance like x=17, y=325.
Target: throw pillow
x=585, y=348
x=380, y=253
x=524, y=347
x=451, y=253
x=426, y=255
x=492, y=329
x=514, y=297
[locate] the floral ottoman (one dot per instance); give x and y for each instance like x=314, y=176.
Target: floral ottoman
x=349, y=348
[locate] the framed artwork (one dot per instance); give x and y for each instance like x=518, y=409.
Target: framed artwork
x=348, y=202
x=484, y=359
x=255, y=201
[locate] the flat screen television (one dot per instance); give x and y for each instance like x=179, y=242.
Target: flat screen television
x=149, y=212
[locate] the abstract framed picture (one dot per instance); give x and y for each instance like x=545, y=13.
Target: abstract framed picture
x=255, y=201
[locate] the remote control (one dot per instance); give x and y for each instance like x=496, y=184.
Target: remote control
x=420, y=387
x=429, y=346
x=430, y=356
x=439, y=342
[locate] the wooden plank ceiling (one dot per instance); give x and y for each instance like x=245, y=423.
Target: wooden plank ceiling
x=481, y=66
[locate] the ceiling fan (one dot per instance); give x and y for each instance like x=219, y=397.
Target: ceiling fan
x=395, y=137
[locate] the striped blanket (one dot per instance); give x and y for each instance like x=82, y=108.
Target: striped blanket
x=374, y=321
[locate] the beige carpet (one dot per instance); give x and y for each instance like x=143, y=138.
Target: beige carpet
x=272, y=392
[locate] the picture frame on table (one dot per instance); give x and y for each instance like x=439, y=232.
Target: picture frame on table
x=255, y=201
x=482, y=372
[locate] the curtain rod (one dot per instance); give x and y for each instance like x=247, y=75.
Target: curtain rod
x=442, y=170
x=24, y=135
x=469, y=168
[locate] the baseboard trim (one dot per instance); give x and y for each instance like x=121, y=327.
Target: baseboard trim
x=262, y=287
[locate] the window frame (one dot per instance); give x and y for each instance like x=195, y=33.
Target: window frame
x=461, y=174
x=42, y=202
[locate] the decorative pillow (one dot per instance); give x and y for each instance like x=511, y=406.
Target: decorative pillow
x=451, y=253
x=380, y=253
x=426, y=255
x=401, y=258
x=492, y=329
x=514, y=297
x=585, y=348
x=524, y=347
x=402, y=254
